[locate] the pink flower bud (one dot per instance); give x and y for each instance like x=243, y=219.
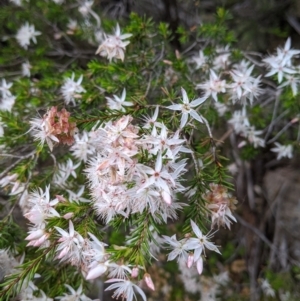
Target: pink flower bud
x=61, y=198
x=68, y=215
x=242, y=144
x=149, y=281
x=294, y=120
x=134, y=272
x=190, y=260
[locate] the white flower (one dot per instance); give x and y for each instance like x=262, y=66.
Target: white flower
x=7, y=102
x=114, y=46
x=267, y=289
x=120, y=271
x=293, y=81
x=159, y=177
x=26, y=69
x=82, y=148
x=86, y=7
x=244, y=85
x=199, y=60
x=214, y=86
x=65, y=170
x=117, y=103
x=72, y=89
x=186, y=108
x=278, y=67
x=283, y=151
x=125, y=289
x=58, y=1
x=41, y=130
x=16, y=2
x=42, y=207
x=179, y=248
x=252, y=136
x=240, y=121
x=4, y=88
x=281, y=64
x=287, y=53
x=151, y=121
x=221, y=108
x=222, y=61
x=199, y=244
x=72, y=26
x=97, y=258
x=25, y=34
x=70, y=245
x=74, y=295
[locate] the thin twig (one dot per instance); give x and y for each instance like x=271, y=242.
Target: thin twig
x=9, y=168
x=278, y=93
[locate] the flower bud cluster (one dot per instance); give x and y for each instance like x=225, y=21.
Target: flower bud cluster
x=54, y=127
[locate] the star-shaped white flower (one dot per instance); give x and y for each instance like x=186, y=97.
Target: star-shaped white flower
x=187, y=108
x=118, y=102
x=125, y=289
x=283, y=151
x=25, y=34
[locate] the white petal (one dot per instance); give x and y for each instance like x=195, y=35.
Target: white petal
x=184, y=119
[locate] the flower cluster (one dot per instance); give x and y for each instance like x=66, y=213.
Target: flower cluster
x=120, y=184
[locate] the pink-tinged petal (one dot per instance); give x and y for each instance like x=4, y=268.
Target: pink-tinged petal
x=68, y=215
x=61, y=198
x=196, y=229
x=41, y=240
x=149, y=281
x=35, y=235
x=200, y=265
x=166, y=197
x=96, y=272
x=135, y=272
x=64, y=252
x=190, y=260
x=104, y=165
